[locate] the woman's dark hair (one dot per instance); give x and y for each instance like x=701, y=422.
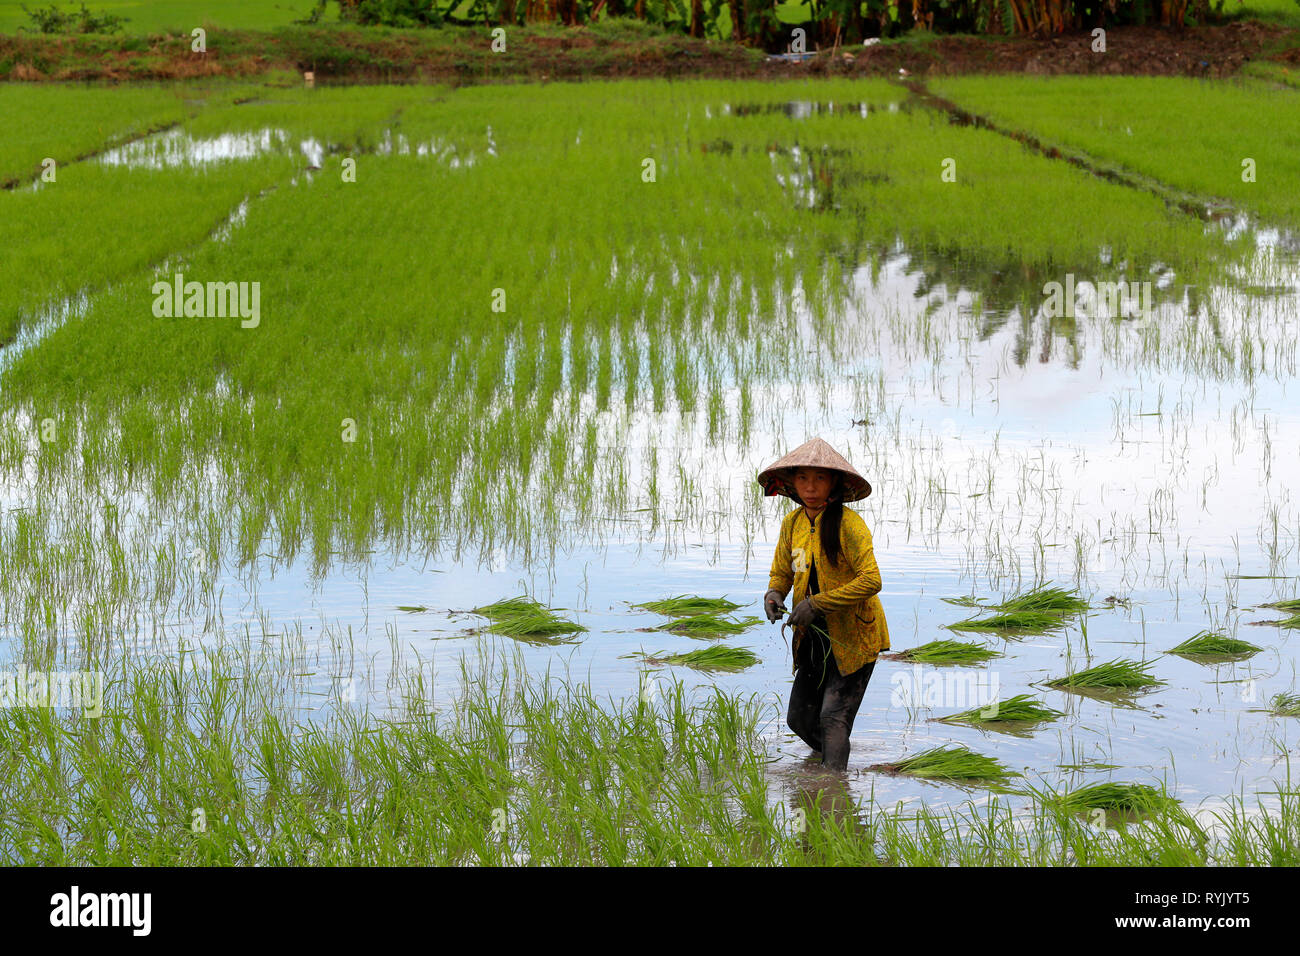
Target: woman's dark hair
x=831, y=519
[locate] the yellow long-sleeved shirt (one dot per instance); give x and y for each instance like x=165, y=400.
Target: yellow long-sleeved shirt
x=847, y=593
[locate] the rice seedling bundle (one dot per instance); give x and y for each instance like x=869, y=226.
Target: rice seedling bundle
x=1045, y=598
x=1022, y=707
x=948, y=652
x=1112, y=674
x=521, y=616
x=1285, y=705
x=709, y=624
x=716, y=658
x=1213, y=644
x=1028, y=621
x=688, y=604
x=1131, y=797
x=952, y=763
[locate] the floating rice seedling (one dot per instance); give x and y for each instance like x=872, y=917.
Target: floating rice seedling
x=523, y=617
x=946, y=652
x=688, y=604
x=1045, y=598
x=1292, y=605
x=412, y=608
x=700, y=625
x=1024, y=621
x=966, y=600
x=1022, y=707
x=951, y=763
x=1130, y=797
x=709, y=658
x=1214, y=645
x=1285, y=705
x=1116, y=674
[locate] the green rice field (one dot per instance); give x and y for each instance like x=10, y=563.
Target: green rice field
x=384, y=458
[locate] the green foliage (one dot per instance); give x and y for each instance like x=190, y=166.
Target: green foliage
x=1213, y=644
x=53, y=20
x=716, y=658
x=1112, y=674
x=948, y=652
x=954, y=763
x=1022, y=707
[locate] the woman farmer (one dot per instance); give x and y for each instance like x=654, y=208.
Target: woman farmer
x=839, y=624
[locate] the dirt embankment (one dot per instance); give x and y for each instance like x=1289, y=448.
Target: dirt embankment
x=464, y=56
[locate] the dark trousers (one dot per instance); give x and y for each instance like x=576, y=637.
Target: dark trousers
x=823, y=703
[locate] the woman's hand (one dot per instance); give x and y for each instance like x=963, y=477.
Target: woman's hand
x=773, y=606
x=802, y=615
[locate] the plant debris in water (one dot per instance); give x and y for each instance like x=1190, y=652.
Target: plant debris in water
x=1214, y=644
x=951, y=763
x=1112, y=674
x=1022, y=707
x=523, y=617
x=947, y=652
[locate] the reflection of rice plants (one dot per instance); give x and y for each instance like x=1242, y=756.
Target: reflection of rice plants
x=1022, y=707
x=947, y=652
x=1116, y=674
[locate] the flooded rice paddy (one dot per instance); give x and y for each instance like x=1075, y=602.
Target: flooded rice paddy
x=804, y=270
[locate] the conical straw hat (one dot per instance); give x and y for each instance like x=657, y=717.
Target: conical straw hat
x=778, y=478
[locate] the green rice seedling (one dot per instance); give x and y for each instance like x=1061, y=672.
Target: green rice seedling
x=716, y=658
x=688, y=604
x=1045, y=598
x=951, y=763
x=1022, y=707
x=1131, y=797
x=1285, y=705
x=523, y=617
x=1024, y=621
x=412, y=608
x=1292, y=605
x=1116, y=674
x=1214, y=644
x=703, y=624
x=966, y=600
x=947, y=652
